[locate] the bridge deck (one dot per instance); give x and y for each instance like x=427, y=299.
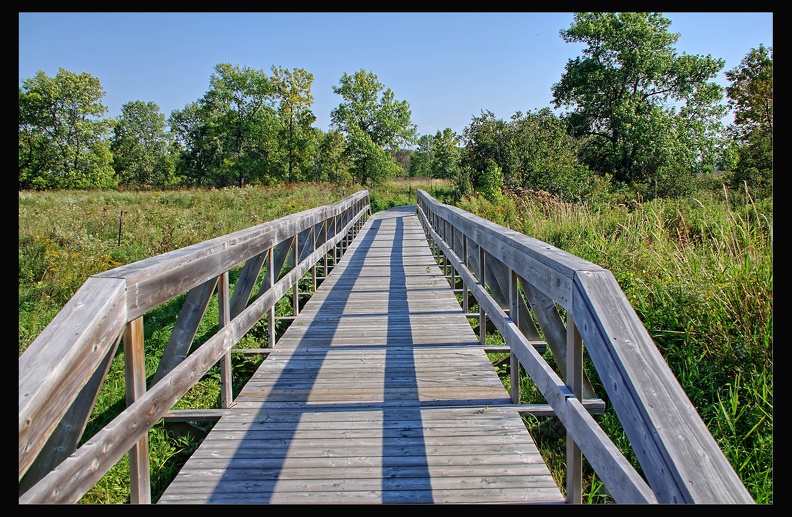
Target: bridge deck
x=378, y=392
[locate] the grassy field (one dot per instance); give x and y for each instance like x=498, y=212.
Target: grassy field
x=697, y=271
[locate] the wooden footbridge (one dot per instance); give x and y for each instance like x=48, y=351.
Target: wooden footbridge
x=379, y=391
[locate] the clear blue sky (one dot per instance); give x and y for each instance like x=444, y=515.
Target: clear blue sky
x=449, y=66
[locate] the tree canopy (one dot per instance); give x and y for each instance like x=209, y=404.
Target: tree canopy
x=373, y=122
x=140, y=146
x=531, y=151
x=293, y=88
x=62, y=135
x=751, y=97
x=238, y=110
x=644, y=112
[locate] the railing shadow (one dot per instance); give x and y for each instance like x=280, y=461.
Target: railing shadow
x=403, y=446
x=400, y=364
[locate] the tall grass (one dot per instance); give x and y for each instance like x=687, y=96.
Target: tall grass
x=699, y=273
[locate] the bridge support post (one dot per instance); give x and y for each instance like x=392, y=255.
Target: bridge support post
x=271, y=312
x=482, y=313
x=135, y=377
x=296, y=289
x=514, y=314
x=464, y=284
x=224, y=317
x=574, y=375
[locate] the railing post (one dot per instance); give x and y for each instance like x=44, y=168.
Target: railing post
x=324, y=257
x=313, y=248
x=224, y=317
x=464, y=284
x=296, y=289
x=514, y=314
x=271, y=312
x=335, y=248
x=482, y=314
x=574, y=375
x=453, y=271
x=135, y=377
x=446, y=262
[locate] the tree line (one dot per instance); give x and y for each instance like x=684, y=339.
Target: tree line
x=638, y=116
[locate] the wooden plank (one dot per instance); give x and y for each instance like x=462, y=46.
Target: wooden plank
x=657, y=412
x=378, y=392
x=187, y=323
x=63, y=358
x=153, y=281
x=381, y=451
x=66, y=436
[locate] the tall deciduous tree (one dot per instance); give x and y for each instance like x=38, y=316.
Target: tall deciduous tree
x=485, y=141
x=239, y=108
x=140, y=146
x=445, y=159
x=298, y=137
x=197, y=153
x=751, y=97
x=647, y=114
x=62, y=135
x=751, y=91
x=421, y=159
x=373, y=122
x=330, y=161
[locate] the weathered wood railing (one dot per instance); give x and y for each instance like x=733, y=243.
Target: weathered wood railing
x=520, y=283
x=60, y=374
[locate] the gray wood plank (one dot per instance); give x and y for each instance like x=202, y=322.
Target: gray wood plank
x=378, y=392
x=62, y=361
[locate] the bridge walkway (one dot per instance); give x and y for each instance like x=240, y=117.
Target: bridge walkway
x=378, y=393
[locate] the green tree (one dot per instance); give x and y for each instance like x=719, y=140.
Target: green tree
x=239, y=112
x=644, y=113
x=369, y=162
x=330, y=161
x=197, y=153
x=372, y=122
x=421, y=159
x=445, y=159
x=544, y=156
x=492, y=182
x=62, y=133
x=485, y=140
x=140, y=146
x=298, y=138
x=750, y=96
x=531, y=151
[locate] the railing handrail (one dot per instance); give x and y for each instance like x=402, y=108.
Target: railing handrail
x=80, y=340
x=678, y=455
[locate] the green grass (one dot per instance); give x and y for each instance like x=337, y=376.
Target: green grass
x=697, y=271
